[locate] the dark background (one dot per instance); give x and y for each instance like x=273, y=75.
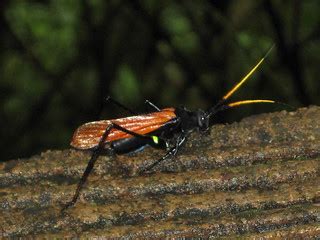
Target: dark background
x=60, y=59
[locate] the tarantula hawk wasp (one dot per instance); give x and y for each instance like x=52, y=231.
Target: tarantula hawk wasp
x=166, y=128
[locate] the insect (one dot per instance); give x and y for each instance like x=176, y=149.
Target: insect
x=166, y=128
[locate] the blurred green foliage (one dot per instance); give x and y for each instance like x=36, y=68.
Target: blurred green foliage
x=60, y=59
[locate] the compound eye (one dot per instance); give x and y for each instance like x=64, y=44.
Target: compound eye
x=203, y=123
x=202, y=120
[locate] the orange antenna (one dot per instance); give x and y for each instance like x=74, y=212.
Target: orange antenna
x=246, y=77
x=244, y=102
x=221, y=104
x=247, y=102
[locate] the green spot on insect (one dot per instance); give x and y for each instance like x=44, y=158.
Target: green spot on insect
x=155, y=139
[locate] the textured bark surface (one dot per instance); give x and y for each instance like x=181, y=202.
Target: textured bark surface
x=256, y=178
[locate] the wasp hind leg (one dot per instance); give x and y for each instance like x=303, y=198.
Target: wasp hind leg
x=96, y=153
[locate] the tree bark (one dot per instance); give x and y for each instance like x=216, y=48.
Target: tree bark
x=256, y=178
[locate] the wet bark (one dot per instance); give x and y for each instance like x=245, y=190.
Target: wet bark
x=256, y=178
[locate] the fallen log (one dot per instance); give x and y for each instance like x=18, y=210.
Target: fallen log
x=256, y=178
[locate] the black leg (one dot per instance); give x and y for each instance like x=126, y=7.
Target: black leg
x=116, y=126
x=153, y=105
x=172, y=152
x=94, y=157
x=110, y=99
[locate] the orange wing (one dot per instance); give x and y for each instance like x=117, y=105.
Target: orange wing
x=88, y=135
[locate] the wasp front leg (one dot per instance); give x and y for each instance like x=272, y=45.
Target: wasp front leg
x=171, y=152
